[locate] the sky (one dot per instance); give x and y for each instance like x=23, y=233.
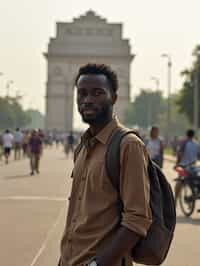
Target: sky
x=153, y=27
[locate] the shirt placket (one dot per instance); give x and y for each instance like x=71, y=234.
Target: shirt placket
x=78, y=205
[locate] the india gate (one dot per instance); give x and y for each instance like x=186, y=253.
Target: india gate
x=88, y=38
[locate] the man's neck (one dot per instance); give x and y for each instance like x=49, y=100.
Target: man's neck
x=95, y=129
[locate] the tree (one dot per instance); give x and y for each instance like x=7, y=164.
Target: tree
x=37, y=119
x=12, y=114
x=185, y=100
x=178, y=122
x=150, y=108
x=145, y=109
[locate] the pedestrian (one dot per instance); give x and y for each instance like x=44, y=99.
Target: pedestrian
x=25, y=142
x=7, y=144
x=96, y=232
x=35, y=150
x=70, y=141
x=155, y=146
x=18, y=139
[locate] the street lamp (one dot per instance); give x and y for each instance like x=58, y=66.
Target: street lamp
x=157, y=81
x=169, y=67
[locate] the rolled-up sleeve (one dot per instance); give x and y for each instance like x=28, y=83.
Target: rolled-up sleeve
x=134, y=186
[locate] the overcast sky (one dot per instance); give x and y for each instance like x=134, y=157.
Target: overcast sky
x=153, y=27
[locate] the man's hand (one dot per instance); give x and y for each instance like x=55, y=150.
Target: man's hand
x=121, y=244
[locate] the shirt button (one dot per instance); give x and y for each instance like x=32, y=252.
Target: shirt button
x=69, y=198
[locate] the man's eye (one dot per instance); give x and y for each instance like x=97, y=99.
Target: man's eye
x=99, y=92
x=82, y=94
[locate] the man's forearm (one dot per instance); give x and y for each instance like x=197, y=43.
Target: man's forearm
x=123, y=241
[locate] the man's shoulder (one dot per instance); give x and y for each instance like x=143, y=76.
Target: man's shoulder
x=131, y=138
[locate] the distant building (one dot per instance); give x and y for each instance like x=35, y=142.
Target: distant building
x=88, y=38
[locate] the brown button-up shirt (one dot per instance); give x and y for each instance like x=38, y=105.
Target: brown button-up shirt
x=93, y=215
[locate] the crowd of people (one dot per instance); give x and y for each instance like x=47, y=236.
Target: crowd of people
x=30, y=144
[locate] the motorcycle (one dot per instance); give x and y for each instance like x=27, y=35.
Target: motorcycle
x=187, y=188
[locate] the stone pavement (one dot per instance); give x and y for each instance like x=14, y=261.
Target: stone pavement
x=33, y=213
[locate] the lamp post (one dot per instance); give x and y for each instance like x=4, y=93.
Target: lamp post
x=169, y=67
x=157, y=81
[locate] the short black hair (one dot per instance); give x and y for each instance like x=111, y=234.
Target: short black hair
x=99, y=69
x=190, y=133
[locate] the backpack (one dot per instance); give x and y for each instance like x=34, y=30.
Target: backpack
x=152, y=249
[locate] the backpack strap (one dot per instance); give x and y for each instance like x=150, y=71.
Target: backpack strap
x=112, y=161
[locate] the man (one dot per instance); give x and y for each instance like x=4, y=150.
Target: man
x=70, y=141
x=187, y=155
x=188, y=150
x=18, y=138
x=96, y=233
x=25, y=142
x=155, y=146
x=7, y=140
x=35, y=149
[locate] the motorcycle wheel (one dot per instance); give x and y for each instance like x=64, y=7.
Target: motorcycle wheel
x=186, y=200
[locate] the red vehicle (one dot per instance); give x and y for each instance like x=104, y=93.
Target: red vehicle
x=187, y=188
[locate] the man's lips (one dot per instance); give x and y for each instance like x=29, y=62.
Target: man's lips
x=88, y=111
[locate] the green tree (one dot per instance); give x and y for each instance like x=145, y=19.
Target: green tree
x=145, y=109
x=151, y=108
x=37, y=119
x=185, y=100
x=178, y=121
x=12, y=114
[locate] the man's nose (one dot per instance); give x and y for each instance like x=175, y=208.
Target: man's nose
x=89, y=98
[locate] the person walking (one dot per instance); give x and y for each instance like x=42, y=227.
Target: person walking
x=7, y=140
x=25, y=142
x=18, y=139
x=35, y=149
x=69, y=145
x=96, y=232
x=155, y=146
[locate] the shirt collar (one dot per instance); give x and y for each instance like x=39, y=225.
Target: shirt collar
x=106, y=132
x=103, y=135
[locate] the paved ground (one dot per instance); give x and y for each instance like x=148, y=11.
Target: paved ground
x=33, y=213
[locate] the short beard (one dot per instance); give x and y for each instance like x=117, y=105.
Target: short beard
x=101, y=117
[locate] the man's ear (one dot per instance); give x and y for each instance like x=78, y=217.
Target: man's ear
x=114, y=98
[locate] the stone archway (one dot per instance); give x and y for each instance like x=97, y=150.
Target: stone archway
x=88, y=38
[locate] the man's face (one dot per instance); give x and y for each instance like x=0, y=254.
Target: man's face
x=94, y=98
